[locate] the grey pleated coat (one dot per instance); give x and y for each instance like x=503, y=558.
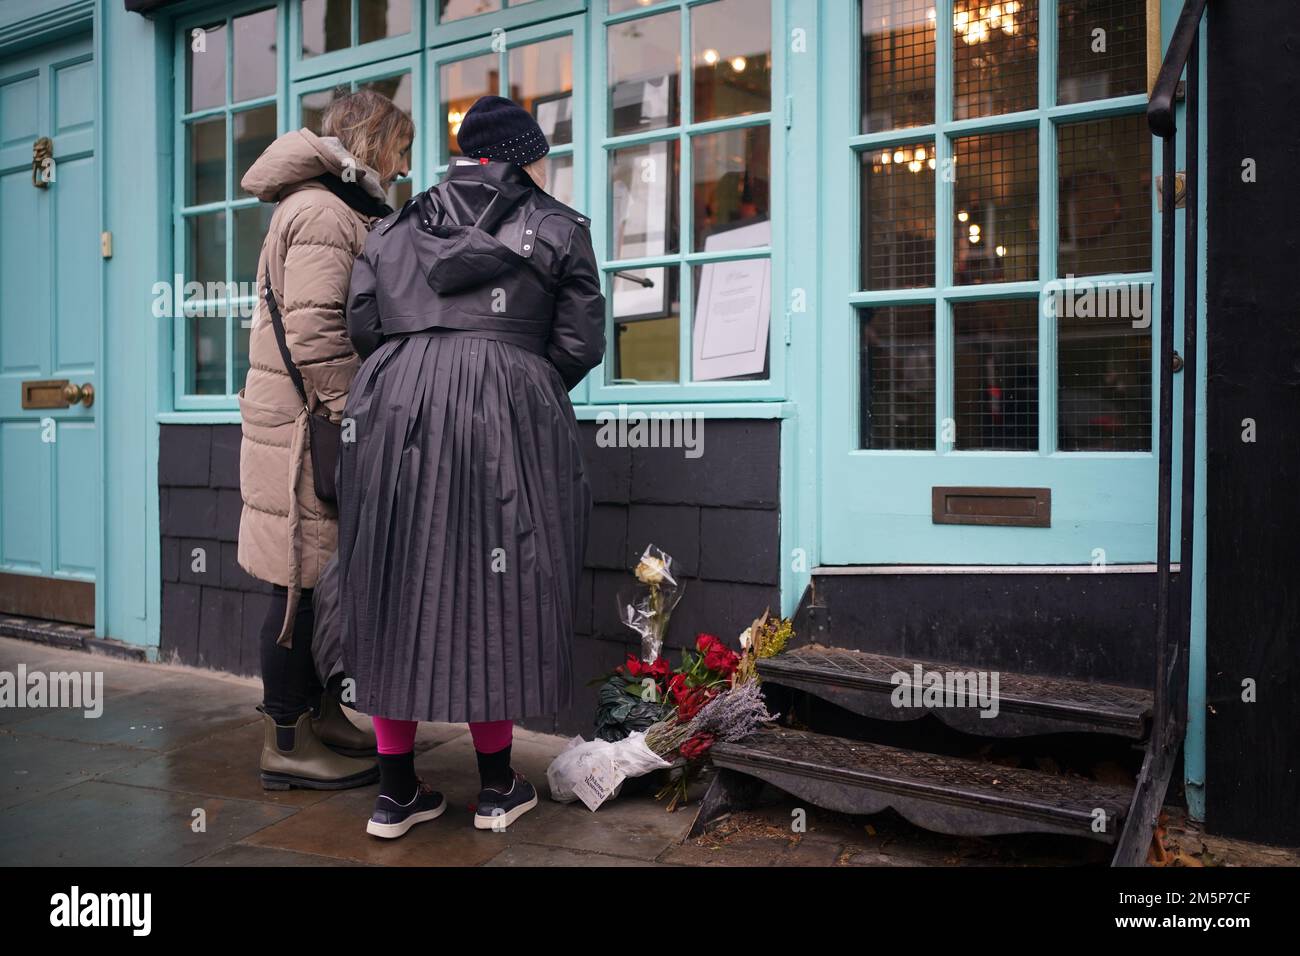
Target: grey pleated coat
x=463, y=503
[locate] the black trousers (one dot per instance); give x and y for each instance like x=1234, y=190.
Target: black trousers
x=290, y=686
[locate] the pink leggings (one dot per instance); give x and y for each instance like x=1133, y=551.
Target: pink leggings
x=398, y=736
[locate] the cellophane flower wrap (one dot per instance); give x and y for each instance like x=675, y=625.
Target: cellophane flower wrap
x=647, y=608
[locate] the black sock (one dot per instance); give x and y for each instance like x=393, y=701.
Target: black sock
x=397, y=776
x=494, y=770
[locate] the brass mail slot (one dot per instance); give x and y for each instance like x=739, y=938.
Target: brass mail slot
x=45, y=393
x=1010, y=507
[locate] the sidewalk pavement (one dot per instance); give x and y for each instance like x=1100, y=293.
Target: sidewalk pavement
x=127, y=787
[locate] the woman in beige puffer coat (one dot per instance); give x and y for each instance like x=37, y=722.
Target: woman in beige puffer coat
x=329, y=189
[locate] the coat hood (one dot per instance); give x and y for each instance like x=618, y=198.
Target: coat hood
x=301, y=156
x=458, y=246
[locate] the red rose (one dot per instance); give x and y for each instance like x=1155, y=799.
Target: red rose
x=691, y=703
x=677, y=687
x=697, y=746
x=705, y=641
x=659, y=669
x=722, y=660
x=634, y=667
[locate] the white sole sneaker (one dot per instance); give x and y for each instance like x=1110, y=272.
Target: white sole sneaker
x=390, y=831
x=502, y=820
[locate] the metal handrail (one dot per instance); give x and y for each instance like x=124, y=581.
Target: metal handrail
x=1169, y=719
x=1160, y=108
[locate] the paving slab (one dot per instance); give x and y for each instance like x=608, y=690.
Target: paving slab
x=224, y=764
x=107, y=824
x=242, y=854
x=534, y=854
x=33, y=767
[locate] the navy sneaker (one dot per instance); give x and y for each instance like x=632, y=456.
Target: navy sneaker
x=392, y=819
x=497, y=810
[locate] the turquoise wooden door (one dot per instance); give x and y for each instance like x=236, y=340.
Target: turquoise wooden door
x=49, y=335
x=987, y=308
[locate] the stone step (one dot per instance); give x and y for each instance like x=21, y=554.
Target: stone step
x=865, y=684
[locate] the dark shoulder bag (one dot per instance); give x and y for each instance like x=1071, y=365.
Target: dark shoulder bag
x=324, y=435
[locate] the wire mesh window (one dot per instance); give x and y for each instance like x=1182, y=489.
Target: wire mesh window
x=228, y=114
x=1101, y=51
x=995, y=375
x=896, y=377
x=1104, y=379
x=1104, y=191
x=898, y=217
x=995, y=53
x=897, y=73
x=995, y=208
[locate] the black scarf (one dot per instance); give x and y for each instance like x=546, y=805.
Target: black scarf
x=356, y=197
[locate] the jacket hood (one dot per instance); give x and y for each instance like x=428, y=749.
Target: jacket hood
x=457, y=245
x=301, y=156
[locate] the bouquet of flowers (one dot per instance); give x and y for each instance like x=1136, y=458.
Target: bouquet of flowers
x=647, y=612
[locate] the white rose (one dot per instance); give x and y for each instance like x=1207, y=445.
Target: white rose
x=651, y=570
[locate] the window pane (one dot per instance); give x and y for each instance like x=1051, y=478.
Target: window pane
x=459, y=9
x=732, y=187
x=559, y=178
x=383, y=18
x=896, y=377
x=995, y=375
x=255, y=66
x=645, y=64
x=1092, y=65
x=461, y=83
x=251, y=225
x=207, y=363
x=314, y=106
x=731, y=49
x=326, y=26
x=995, y=235
x=646, y=310
x=205, y=248
x=396, y=88
x=643, y=199
x=541, y=81
x=898, y=217
x=897, y=64
x=1105, y=196
x=733, y=312
x=622, y=6
x=995, y=47
x=255, y=130
x=1104, y=381
x=205, y=67
x=205, y=161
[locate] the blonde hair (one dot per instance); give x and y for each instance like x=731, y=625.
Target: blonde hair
x=370, y=127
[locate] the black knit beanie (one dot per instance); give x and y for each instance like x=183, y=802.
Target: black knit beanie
x=496, y=128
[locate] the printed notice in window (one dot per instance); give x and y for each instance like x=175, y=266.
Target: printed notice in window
x=733, y=307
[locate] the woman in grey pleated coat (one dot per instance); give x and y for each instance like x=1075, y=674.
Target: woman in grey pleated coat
x=463, y=503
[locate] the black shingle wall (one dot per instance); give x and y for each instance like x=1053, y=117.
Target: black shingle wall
x=717, y=515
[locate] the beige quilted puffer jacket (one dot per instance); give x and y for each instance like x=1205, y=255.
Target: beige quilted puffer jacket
x=285, y=534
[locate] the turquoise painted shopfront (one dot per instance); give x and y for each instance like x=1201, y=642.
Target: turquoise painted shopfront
x=908, y=184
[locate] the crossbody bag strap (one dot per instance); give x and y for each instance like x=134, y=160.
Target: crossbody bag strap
x=285, y=357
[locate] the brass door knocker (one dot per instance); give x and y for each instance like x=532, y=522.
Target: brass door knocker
x=43, y=162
